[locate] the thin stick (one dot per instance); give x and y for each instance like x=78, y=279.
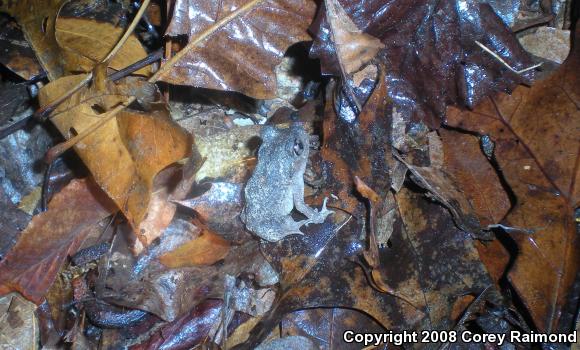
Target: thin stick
x=496, y=56
x=128, y=32
x=43, y=112
x=62, y=147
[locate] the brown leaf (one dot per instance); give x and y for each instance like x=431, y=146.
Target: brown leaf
x=17, y=55
x=85, y=42
x=441, y=186
x=37, y=19
x=32, y=264
x=354, y=49
x=474, y=174
x=430, y=52
x=126, y=153
x=241, y=55
x=186, y=332
x=69, y=45
x=206, y=249
x=326, y=326
x=535, y=131
x=18, y=324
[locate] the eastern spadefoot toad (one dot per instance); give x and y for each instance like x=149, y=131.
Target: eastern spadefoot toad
x=277, y=185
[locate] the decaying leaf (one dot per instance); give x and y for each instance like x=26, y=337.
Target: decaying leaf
x=18, y=323
x=535, y=131
x=17, y=55
x=85, y=42
x=37, y=18
x=325, y=326
x=206, y=249
x=186, y=332
x=32, y=264
x=126, y=153
x=258, y=39
x=430, y=52
x=354, y=49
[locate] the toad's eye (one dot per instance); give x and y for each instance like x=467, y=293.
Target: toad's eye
x=298, y=147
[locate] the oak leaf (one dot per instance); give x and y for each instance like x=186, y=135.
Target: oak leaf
x=241, y=55
x=430, y=51
x=535, y=131
x=32, y=264
x=206, y=249
x=127, y=152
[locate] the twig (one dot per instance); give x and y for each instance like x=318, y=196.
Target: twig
x=496, y=56
x=12, y=128
x=152, y=58
x=128, y=32
x=46, y=186
x=43, y=112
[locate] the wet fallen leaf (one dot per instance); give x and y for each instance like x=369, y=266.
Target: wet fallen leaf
x=143, y=283
x=186, y=332
x=17, y=55
x=31, y=266
x=474, y=174
x=430, y=52
x=354, y=49
x=126, y=153
x=37, y=19
x=440, y=186
x=206, y=249
x=535, y=131
x=258, y=39
x=325, y=326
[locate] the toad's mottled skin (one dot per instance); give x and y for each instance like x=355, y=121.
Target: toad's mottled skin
x=277, y=185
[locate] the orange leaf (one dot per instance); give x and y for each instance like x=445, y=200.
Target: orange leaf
x=206, y=249
x=33, y=263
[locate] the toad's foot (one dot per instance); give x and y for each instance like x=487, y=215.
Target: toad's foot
x=320, y=215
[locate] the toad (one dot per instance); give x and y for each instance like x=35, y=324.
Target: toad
x=277, y=185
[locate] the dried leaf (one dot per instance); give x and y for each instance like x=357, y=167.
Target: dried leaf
x=430, y=52
x=354, y=48
x=18, y=323
x=126, y=153
x=535, y=131
x=206, y=249
x=32, y=264
x=255, y=43
x=85, y=42
x=69, y=45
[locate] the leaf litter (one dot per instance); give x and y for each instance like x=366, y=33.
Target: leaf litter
x=454, y=188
